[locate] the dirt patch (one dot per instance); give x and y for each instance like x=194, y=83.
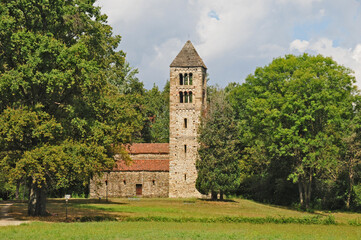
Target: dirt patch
x=5, y=218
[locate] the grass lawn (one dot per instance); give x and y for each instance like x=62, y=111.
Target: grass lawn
x=53, y=228
x=157, y=230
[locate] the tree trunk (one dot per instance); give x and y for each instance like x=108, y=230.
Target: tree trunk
x=17, y=190
x=221, y=195
x=37, y=201
x=214, y=196
x=350, y=184
x=309, y=191
x=300, y=193
x=305, y=189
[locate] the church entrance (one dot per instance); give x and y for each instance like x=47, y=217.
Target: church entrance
x=138, y=189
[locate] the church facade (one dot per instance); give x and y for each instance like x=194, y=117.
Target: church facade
x=162, y=169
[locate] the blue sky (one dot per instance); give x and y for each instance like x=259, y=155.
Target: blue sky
x=234, y=37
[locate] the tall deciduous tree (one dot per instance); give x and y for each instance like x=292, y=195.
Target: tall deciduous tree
x=61, y=120
x=217, y=164
x=295, y=107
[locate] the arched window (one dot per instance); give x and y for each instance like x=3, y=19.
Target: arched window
x=180, y=79
x=186, y=97
x=191, y=79
x=185, y=79
x=181, y=97
x=190, y=97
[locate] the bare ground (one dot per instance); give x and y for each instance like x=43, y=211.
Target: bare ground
x=5, y=218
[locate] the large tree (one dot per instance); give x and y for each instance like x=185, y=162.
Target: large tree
x=294, y=108
x=62, y=115
x=217, y=163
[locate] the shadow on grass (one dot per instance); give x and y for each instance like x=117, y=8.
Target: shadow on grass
x=218, y=200
x=86, y=201
x=291, y=208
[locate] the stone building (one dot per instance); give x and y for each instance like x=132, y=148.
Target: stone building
x=147, y=175
x=162, y=169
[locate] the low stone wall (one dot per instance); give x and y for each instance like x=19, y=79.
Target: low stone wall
x=124, y=184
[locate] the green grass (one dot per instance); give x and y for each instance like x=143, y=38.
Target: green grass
x=157, y=230
x=192, y=208
x=182, y=219
x=127, y=209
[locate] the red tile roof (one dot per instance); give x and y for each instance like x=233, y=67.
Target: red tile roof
x=143, y=165
x=147, y=148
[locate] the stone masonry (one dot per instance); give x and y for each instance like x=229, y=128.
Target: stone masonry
x=146, y=176
x=187, y=101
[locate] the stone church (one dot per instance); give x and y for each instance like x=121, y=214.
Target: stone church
x=165, y=169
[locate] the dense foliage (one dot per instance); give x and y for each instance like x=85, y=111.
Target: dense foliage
x=217, y=162
x=293, y=116
x=62, y=116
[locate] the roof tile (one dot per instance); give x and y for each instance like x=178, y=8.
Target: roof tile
x=188, y=57
x=143, y=165
x=148, y=148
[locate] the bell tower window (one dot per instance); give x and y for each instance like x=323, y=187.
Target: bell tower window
x=190, y=79
x=185, y=123
x=180, y=79
x=190, y=95
x=186, y=97
x=181, y=97
x=185, y=79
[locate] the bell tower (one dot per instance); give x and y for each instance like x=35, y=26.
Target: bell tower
x=187, y=101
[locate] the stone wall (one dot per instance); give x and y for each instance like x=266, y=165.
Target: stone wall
x=123, y=184
x=183, y=142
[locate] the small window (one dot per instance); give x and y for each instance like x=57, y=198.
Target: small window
x=153, y=182
x=186, y=97
x=180, y=79
x=203, y=96
x=125, y=182
x=185, y=123
x=185, y=148
x=190, y=79
x=190, y=97
x=181, y=97
x=185, y=79
x=185, y=177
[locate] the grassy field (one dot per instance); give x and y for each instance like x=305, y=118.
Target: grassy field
x=149, y=219
x=156, y=230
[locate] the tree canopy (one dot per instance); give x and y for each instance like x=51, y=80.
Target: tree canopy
x=217, y=164
x=62, y=116
x=292, y=113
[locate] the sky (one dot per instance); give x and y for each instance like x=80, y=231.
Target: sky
x=233, y=37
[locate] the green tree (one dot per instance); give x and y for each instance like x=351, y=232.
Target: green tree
x=62, y=118
x=295, y=108
x=156, y=113
x=217, y=164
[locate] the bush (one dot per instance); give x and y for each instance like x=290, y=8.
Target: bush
x=95, y=219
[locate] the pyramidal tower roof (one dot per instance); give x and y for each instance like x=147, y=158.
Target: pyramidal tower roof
x=188, y=57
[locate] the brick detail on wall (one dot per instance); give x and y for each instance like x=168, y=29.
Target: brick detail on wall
x=123, y=184
x=182, y=170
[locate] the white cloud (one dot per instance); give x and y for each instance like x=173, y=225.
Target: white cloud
x=299, y=45
x=233, y=37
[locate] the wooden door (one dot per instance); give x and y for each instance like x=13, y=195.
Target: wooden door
x=138, y=189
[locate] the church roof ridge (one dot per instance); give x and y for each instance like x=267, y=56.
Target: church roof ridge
x=188, y=57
